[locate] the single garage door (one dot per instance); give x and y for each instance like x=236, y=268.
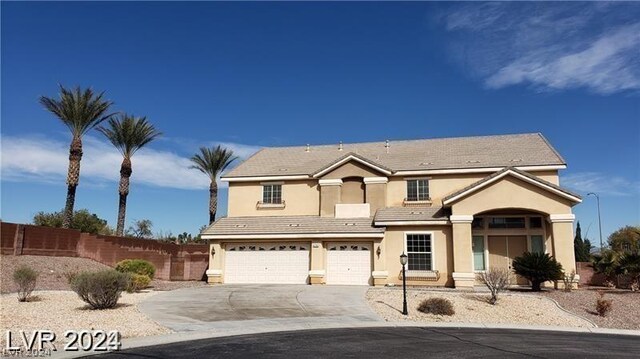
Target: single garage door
x=282, y=263
x=349, y=263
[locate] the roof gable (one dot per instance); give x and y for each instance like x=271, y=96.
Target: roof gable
x=514, y=172
x=351, y=157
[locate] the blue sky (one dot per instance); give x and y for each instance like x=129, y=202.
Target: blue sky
x=249, y=75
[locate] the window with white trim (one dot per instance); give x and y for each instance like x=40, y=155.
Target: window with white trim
x=272, y=193
x=478, y=253
x=418, y=190
x=419, y=251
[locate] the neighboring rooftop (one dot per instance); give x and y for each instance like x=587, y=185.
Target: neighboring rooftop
x=530, y=149
x=290, y=225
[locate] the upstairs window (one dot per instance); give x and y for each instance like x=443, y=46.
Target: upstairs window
x=272, y=194
x=418, y=190
x=507, y=222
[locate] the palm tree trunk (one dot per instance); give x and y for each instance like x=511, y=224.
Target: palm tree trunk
x=123, y=189
x=213, y=200
x=73, y=177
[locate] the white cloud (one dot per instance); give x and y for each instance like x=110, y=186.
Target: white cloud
x=45, y=160
x=601, y=183
x=554, y=46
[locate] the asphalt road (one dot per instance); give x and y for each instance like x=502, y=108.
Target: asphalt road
x=407, y=342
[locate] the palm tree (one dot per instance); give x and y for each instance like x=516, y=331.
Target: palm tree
x=213, y=161
x=128, y=134
x=80, y=110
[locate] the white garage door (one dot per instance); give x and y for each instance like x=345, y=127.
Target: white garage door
x=349, y=263
x=282, y=263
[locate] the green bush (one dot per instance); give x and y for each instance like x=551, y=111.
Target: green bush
x=137, y=266
x=437, y=306
x=537, y=268
x=25, y=278
x=138, y=282
x=101, y=290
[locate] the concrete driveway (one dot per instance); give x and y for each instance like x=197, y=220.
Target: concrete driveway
x=232, y=307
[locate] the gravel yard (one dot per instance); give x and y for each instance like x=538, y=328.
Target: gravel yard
x=63, y=310
x=625, y=310
x=52, y=272
x=473, y=308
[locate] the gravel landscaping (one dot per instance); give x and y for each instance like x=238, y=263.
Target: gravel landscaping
x=63, y=310
x=625, y=310
x=511, y=308
x=52, y=272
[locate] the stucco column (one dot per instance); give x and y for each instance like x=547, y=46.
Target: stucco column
x=380, y=273
x=317, y=271
x=376, y=192
x=562, y=232
x=463, y=274
x=214, y=273
x=329, y=196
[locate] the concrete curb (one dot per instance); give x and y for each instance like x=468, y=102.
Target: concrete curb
x=140, y=342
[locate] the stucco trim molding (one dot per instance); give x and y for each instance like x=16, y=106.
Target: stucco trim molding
x=464, y=276
x=330, y=182
x=316, y=273
x=263, y=178
x=461, y=218
x=412, y=223
x=562, y=218
x=347, y=159
x=214, y=272
x=375, y=180
x=516, y=175
x=293, y=236
x=380, y=274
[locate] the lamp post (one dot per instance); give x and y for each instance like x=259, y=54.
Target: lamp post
x=403, y=261
x=599, y=221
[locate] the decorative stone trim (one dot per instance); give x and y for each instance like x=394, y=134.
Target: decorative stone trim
x=375, y=180
x=461, y=218
x=380, y=274
x=316, y=273
x=330, y=182
x=214, y=272
x=562, y=218
x=464, y=276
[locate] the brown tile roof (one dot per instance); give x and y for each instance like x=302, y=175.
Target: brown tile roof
x=399, y=214
x=498, y=173
x=291, y=225
x=530, y=149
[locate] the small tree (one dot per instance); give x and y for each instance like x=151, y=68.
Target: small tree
x=497, y=280
x=537, y=268
x=25, y=278
x=140, y=229
x=581, y=248
x=82, y=220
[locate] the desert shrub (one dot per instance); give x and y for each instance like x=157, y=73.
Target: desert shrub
x=69, y=275
x=137, y=266
x=138, y=282
x=497, y=280
x=25, y=278
x=603, y=306
x=102, y=289
x=537, y=268
x=568, y=281
x=438, y=306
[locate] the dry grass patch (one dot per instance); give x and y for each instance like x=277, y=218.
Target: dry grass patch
x=474, y=308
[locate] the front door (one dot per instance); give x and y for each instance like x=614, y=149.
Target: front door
x=502, y=251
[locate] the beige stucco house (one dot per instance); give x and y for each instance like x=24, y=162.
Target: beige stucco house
x=344, y=213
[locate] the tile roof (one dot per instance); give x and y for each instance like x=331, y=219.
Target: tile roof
x=291, y=225
x=506, y=169
x=530, y=149
x=399, y=214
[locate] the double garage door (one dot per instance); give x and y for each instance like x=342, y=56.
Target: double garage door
x=288, y=263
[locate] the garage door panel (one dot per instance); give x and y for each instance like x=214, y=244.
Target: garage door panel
x=349, y=263
x=278, y=263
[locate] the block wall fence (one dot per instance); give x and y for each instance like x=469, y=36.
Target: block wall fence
x=172, y=261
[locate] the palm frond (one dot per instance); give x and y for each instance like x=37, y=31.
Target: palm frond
x=212, y=161
x=80, y=110
x=128, y=133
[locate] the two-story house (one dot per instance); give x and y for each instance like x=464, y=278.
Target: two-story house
x=344, y=213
